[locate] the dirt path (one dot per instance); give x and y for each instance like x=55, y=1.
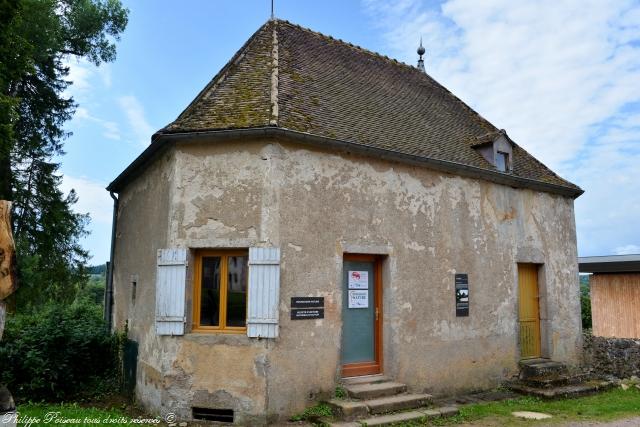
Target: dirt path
x=627, y=422
x=494, y=422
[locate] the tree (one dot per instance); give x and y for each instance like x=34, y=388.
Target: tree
x=37, y=39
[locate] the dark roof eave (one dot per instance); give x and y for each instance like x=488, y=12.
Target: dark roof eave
x=610, y=264
x=162, y=140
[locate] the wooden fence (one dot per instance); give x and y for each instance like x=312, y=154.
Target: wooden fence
x=615, y=305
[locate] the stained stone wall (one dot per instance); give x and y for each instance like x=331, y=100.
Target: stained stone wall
x=612, y=356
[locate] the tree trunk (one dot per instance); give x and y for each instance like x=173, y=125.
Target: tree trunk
x=8, y=281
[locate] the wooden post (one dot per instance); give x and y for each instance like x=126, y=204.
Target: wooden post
x=8, y=281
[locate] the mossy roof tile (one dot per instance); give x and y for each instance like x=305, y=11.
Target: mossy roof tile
x=333, y=89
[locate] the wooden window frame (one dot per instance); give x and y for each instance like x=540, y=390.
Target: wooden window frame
x=222, y=327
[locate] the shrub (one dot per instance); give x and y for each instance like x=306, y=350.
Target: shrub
x=58, y=352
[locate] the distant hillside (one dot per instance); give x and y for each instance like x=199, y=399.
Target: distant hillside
x=97, y=269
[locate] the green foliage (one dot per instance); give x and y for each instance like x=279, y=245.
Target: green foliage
x=314, y=413
x=59, y=352
x=340, y=393
x=93, y=289
x=97, y=269
x=585, y=302
x=38, y=38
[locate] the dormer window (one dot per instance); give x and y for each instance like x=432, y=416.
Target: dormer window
x=497, y=149
x=502, y=161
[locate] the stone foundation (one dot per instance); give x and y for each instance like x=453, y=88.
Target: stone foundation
x=613, y=356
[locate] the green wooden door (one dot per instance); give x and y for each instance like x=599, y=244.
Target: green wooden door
x=360, y=316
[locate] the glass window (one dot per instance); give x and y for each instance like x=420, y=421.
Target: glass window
x=210, y=292
x=220, y=291
x=236, y=291
x=502, y=161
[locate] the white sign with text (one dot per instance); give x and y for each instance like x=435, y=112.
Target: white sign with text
x=358, y=280
x=358, y=298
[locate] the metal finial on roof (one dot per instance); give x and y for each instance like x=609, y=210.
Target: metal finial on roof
x=272, y=14
x=421, y=52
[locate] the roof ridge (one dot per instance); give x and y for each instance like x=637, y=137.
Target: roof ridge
x=481, y=120
x=273, y=117
x=351, y=45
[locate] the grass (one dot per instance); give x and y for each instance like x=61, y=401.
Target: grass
x=605, y=406
x=340, y=393
x=314, y=413
x=36, y=414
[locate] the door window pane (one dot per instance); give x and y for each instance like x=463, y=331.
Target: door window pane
x=237, y=291
x=210, y=292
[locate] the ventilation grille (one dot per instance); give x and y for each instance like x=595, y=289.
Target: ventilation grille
x=209, y=414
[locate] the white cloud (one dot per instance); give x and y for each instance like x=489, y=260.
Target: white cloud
x=92, y=198
x=627, y=250
x=80, y=73
x=104, y=71
x=111, y=130
x=563, y=78
x=140, y=127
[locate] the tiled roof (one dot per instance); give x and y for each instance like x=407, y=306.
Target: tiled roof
x=296, y=79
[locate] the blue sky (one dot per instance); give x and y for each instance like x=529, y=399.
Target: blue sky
x=562, y=77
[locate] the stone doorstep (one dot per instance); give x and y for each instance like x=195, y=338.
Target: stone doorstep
x=367, y=379
x=563, y=391
x=397, y=403
x=541, y=367
x=374, y=390
x=548, y=381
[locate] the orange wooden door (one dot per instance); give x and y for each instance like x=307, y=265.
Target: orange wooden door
x=529, y=311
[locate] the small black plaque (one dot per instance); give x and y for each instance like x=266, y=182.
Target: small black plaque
x=462, y=295
x=307, y=302
x=307, y=313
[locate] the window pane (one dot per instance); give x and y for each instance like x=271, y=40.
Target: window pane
x=237, y=291
x=501, y=161
x=210, y=292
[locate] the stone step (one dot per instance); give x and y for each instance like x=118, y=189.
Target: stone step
x=549, y=381
x=540, y=368
x=573, y=390
x=367, y=379
x=402, y=417
x=373, y=390
x=400, y=402
x=348, y=410
x=387, y=420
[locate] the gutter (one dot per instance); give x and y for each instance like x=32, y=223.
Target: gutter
x=108, y=292
x=162, y=141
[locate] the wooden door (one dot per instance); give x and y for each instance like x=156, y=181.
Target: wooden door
x=529, y=311
x=361, y=316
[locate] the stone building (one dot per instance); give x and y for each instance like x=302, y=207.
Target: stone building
x=320, y=211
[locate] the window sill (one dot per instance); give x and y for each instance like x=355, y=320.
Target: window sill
x=218, y=337
x=213, y=331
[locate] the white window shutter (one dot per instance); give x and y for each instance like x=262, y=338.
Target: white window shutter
x=264, y=292
x=170, y=291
